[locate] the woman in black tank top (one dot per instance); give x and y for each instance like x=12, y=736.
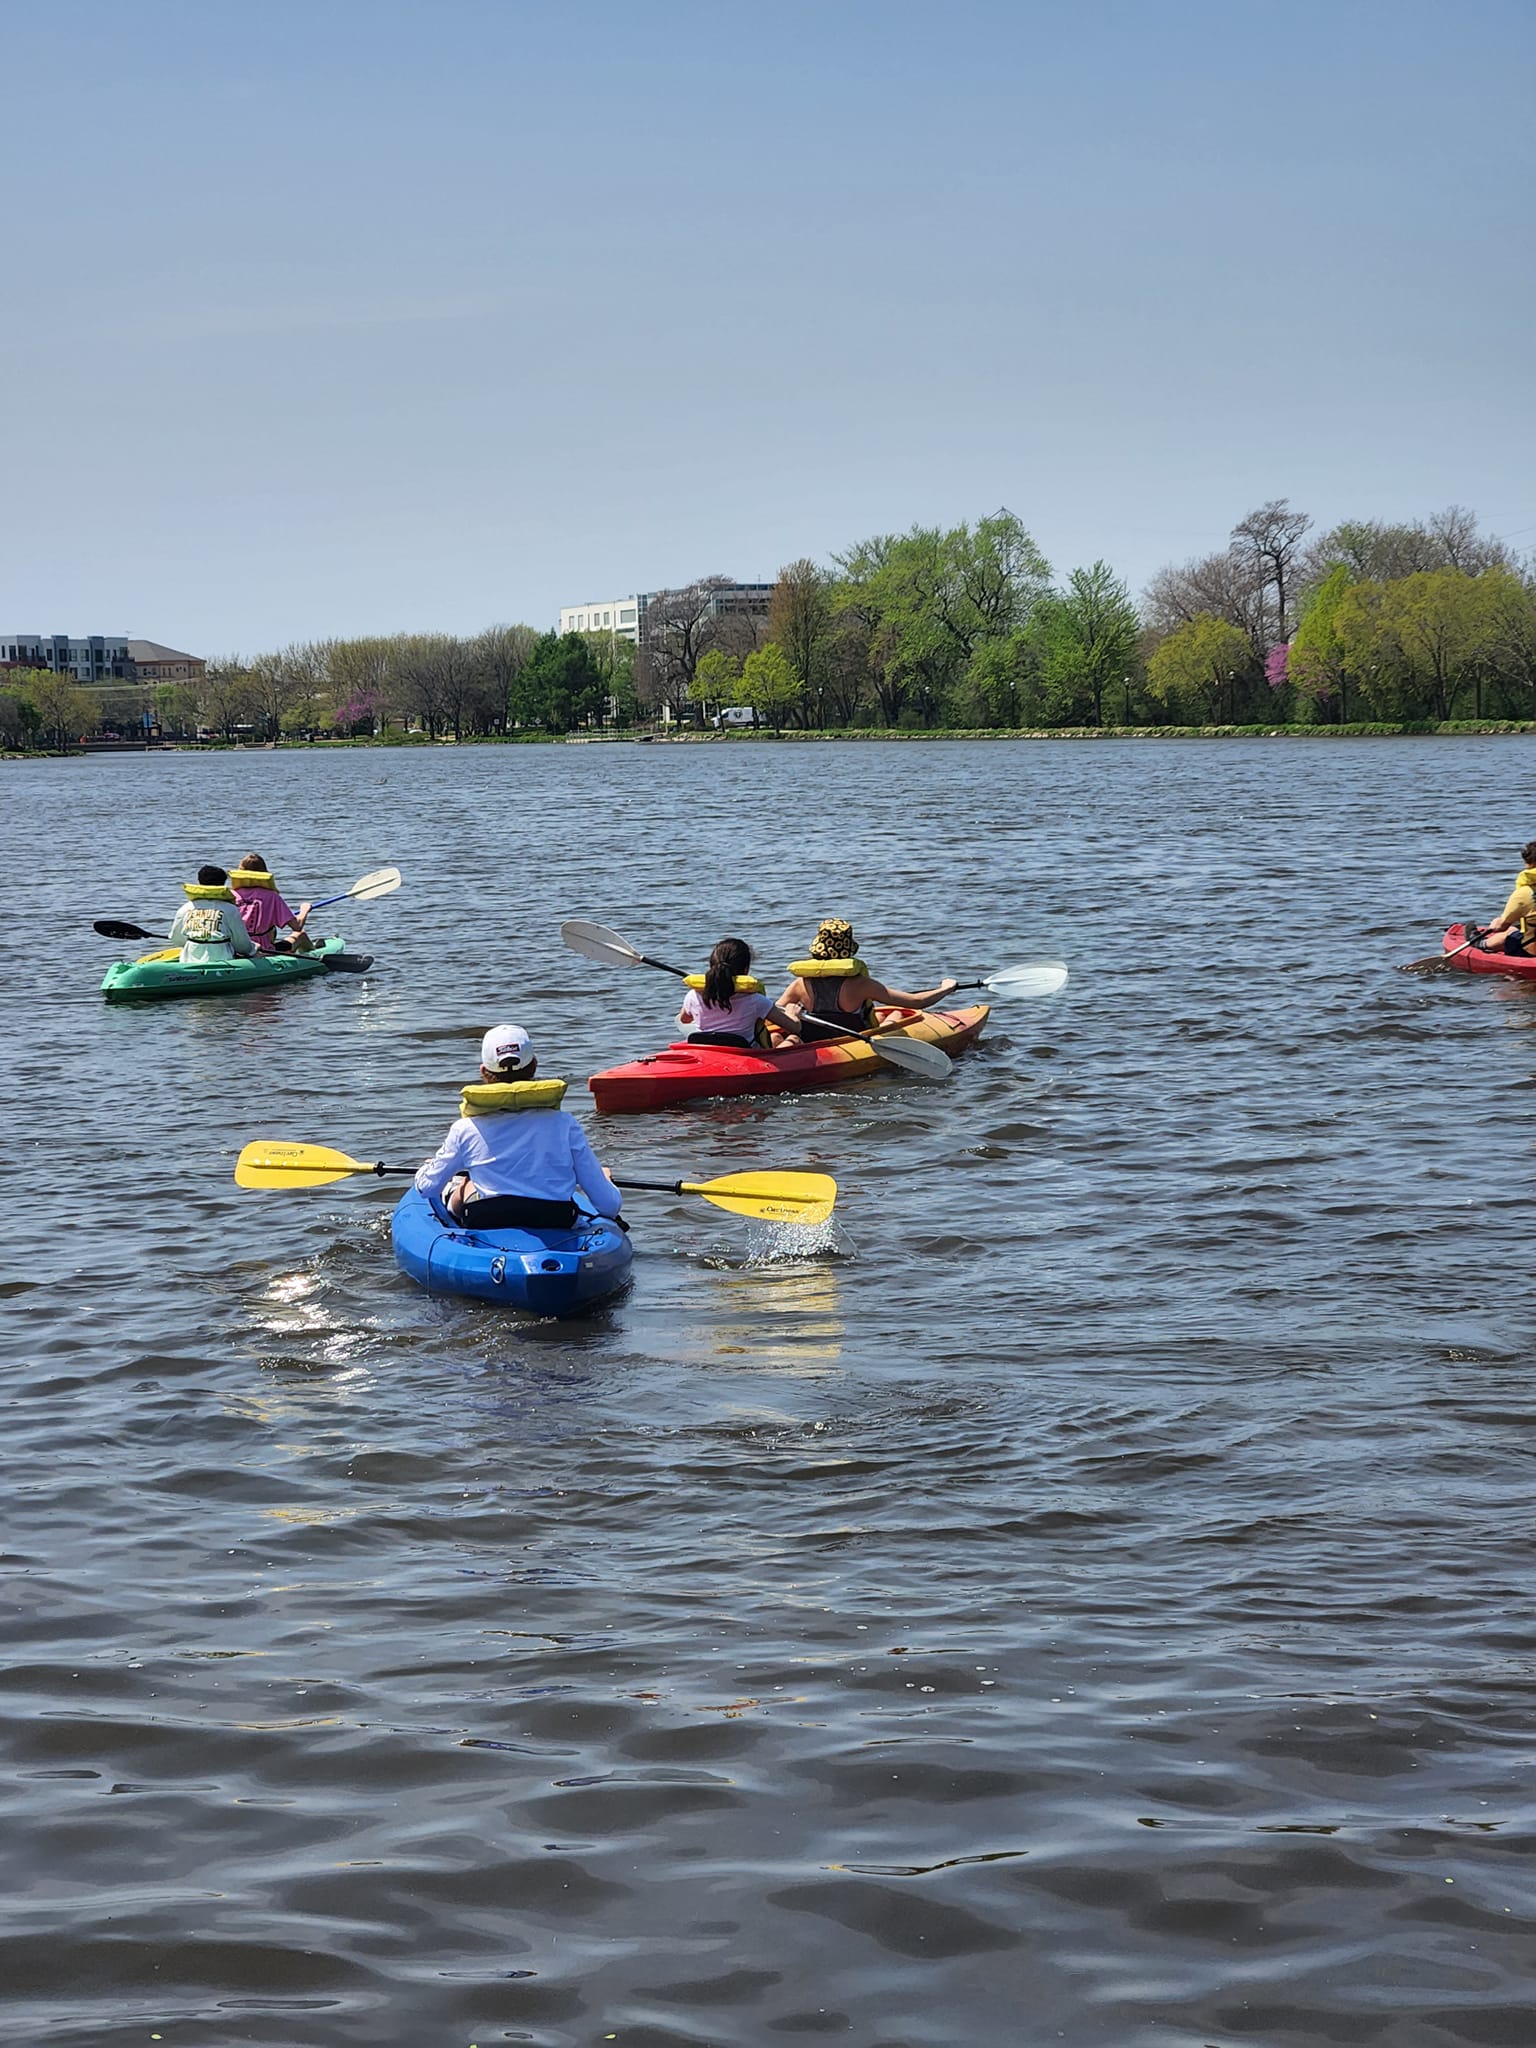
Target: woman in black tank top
x=849, y=1001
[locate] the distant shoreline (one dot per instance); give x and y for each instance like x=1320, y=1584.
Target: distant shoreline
x=1460, y=728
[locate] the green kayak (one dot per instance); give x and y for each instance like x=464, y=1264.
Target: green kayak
x=162, y=974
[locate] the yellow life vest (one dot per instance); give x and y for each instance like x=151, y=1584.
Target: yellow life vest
x=493, y=1098
x=201, y=892
x=827, y=970
x=1526, y=879
x=746, y=984
x=250, y=878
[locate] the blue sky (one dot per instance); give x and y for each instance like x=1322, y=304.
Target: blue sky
x=342, y=316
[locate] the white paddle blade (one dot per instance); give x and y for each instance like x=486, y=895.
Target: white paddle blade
x=597, y=942
x=1040, y=978
x=382, y=882
x=912, y=1055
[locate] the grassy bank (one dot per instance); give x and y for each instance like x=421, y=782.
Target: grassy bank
x=1453, y=728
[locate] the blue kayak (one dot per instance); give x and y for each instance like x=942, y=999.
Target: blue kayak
x=551, y=1272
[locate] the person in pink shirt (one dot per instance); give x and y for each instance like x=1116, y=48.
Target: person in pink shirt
x=263, y=911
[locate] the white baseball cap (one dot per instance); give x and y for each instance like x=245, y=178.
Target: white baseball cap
x=506, y=1049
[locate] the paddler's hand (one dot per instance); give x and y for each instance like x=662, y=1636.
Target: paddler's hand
x=298, y=922
x=947, y=984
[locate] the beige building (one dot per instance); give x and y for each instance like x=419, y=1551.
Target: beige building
x=153, y=663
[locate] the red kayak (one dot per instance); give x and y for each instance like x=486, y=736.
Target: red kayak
x=1475, y=961
x=685, y=1072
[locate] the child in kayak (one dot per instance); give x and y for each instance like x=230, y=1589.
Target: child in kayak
x=1513, y=931
x=515, y=1157
x=722, y=1012
x=847, y=999
x=263, y=911
x=207, y=927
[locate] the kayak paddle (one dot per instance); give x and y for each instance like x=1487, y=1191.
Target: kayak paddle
x=1433, y=960
x=804, y=1198
x=597, y=942
x=367, y=889
x=114, y=928
x=775, y=1197
x=1035, y=978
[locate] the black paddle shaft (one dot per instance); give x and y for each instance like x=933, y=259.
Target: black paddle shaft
x=647, y=961
x=657, y=1187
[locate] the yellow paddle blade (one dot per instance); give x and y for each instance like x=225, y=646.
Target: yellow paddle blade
x=270, y=1163
x=776, y=1197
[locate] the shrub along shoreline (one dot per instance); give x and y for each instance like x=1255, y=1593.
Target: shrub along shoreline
x=1459, y=728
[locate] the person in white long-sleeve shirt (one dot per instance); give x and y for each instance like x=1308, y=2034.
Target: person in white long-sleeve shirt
x=208, y=927
x=505, y=1166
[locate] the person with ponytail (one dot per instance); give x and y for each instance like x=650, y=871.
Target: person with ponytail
x=726, y=1005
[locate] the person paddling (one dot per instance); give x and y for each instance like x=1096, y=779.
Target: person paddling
x=263, y=911
x=1513, y=931
x=207, y=927
x=727, y=1005
x=515, y=1157
x=834, y=984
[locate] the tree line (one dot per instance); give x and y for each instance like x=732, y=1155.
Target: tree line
x=959, y=628
x=965, y=628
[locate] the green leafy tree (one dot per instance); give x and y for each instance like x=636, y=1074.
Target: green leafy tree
x=1316, y=664
x=716, y=680
x=20, y=719
x=771, y=684
x=1511, y=602
x=65, y=713
x=924, y=602
x=561, y=685
x=616, y=661
x=1415, y=642
x=1198, y=667
x=1001, y=682
x=1087, y=639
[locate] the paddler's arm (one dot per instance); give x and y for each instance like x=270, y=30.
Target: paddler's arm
x=877, y=992
x=449, y=1158
x=1522, y=902
x=590, y=1177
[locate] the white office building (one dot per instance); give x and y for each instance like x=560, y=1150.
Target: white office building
x=619, y=616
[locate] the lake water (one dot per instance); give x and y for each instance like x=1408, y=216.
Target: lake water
x=1087, y=1598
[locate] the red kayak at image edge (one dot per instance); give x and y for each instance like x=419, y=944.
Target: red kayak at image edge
x=1521, y=967
x=684, y=1072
